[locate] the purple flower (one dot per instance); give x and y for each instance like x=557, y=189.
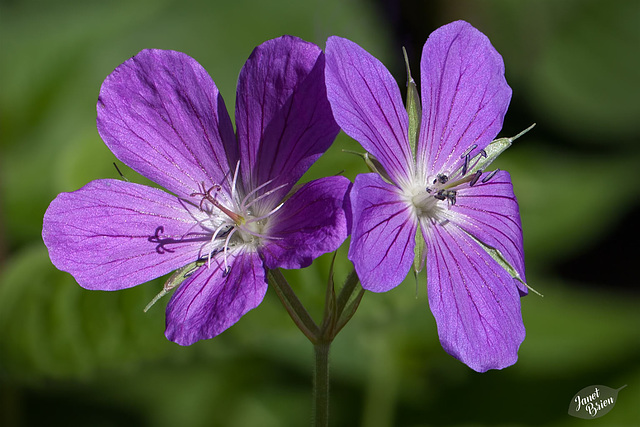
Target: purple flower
x=232, y=213
x=432, y=189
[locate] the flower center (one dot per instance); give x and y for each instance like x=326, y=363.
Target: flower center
x=441, y=193
x=230, y=219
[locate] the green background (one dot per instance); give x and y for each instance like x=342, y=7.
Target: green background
x=71, y=357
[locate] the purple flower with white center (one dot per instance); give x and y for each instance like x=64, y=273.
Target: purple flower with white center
x=233, y=211
x=432, y=190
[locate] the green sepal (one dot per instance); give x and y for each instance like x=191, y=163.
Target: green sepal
x=499, y=258
x=419, y=252
x=373, y=164
x=179, y=276
x=329, y=318
x=294, y=307
x=492, y=151
x=348, y=301
x=414, y=109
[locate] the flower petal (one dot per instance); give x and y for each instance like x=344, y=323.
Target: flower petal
x=367, y=105
x=473, y=299
x=310, y=223
x=464, y=96
x=112, y=234
x=214, y=298
x=283, y=118
x=161, y=114
x=383, y=235
x=489, y=212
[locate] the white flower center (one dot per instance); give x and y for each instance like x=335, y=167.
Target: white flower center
x=434, y=200
x=230, y=219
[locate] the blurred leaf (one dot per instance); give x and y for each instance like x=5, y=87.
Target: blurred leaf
x=587, y=80
x=51, y=327
x=567, y=201
x=572, y=63
x=562, y=328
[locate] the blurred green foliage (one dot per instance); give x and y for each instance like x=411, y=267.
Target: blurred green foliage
x=85, y=358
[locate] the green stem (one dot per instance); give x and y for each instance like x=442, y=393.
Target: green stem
x=294, y=307
x=338, y=311
x=321, y=384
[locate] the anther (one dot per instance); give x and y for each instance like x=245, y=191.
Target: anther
x=465, y=165
x=449, y=195
x=441, y=178
x=120, y=173
x=224, y=233
x=226, y=271
x=491, y=175
x=469, y=150
x=475, y=179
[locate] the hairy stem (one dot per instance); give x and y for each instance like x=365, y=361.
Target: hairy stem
x=321, y=384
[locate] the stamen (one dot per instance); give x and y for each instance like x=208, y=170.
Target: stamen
x=449, y=195
x=120, y=173
x=491, y=175
x=458, y=182
x=210, y=254
x=274, y=210
x=226, y=271
x=247, y=206
x=226, y=232
x=466, y=157
x=441, y=178
x=254, y=191
x=475, y=179
x=469, y=150
x=465, y=165
x=219, y=233
x=226, y=251
x=476, y=160
x=235, y=181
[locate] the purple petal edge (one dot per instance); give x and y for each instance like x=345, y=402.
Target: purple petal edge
x=214, y=298
x=367, y=105
x=283, y=117
x=490, y=213
x=161, y=114
x=112, y=234
x=383, y=233
x=312, y=222
x=464, y=95
x=474, y=301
